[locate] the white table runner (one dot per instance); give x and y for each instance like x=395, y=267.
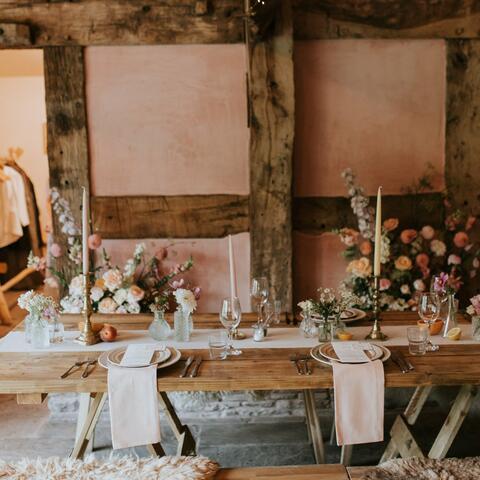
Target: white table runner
x=277, y=338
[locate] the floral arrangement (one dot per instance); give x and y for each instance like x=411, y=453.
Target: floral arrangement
x=410, y=258
x=474, y=308
x=38, y=305
x=142, y=285
x=330, y=303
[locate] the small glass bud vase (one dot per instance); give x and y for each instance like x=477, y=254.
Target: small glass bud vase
x=181, y=325
x=57, y=331
x=308, y=327
x=40, y=333
x=324, y=331
x=451, y=317
x=476, y=327
x=159, y=329
x=28, y=322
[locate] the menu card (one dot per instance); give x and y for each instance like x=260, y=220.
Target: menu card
x=138, y=355
x=351, y=352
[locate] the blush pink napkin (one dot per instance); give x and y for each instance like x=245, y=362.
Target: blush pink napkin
x=133, y=400
x=359, y=399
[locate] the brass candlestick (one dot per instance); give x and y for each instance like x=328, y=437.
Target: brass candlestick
x=87, y=335
x=376, y=333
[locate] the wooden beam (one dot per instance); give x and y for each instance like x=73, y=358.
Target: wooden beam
x=271, y=147
x=67, y=129
x=31, y=398
x=14, y=35
x=386, y=19
x=182, y=216
x=127, y=22
x=323, y=214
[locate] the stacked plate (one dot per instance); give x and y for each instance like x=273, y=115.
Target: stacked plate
x=162, y=358
x=347, y=316
x=325, y=353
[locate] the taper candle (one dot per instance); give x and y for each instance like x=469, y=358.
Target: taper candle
x=231, y=260
x=85, y=227
x=378, y=235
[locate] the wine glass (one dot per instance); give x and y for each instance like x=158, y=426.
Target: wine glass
x=230, y=316
x=259, y=295
x=268, y=313
x=429, y=310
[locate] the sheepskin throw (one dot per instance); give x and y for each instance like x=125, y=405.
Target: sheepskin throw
x=426, y=469
x=131, y=468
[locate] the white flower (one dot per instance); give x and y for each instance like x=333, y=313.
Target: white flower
x=185, y=299
x=139, y=250
x=419, y=285
x=120, y=295
x=76, y=286
x=385, y=249
x=113, y=279
x=454, y=259
x=121, y=309
x=72, y=304
x=306, y=306
x=135, y=294
x=96, y=293
x=51, y=282
x=133, y=307
x=438, y=247
x=471, y=310
x=107, y=305
x=129, y=268
x=25, y=299
x=405, y=289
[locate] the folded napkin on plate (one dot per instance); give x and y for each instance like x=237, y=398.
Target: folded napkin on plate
x=133, y=401
x=359, y=398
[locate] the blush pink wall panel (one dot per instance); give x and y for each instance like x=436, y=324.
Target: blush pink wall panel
x=211, y=265
x=377, y=106
x=167, y=120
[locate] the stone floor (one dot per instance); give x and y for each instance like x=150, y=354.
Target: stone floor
x=31, y=431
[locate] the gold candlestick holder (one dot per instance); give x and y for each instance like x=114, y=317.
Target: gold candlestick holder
x=87, y=335
x=376, y=332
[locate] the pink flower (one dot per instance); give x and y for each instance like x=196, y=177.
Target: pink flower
x=422, y=260
x=349, y=236
x=178, y=283
x=366, y=247
x=451, y=222
x=197, y=292
x=390, y=224
x=135, y=294
x=454, y=259
x=470, y=222
x=427, y=232
x=56, y=250
x=94, y=241
x=408, y=236
x=161, y=254
x=475, y=301
x=440, y=283
x=460, y=239
x=385, y=284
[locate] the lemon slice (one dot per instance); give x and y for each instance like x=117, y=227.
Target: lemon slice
x=343, y=335
x=454, y=334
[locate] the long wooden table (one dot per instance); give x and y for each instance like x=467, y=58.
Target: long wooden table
x=32, y=376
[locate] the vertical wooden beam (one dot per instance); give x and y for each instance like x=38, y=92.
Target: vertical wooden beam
x=66, y=127
x=271, y=148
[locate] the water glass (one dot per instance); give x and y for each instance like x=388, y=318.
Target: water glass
x=218, y=345
x=259, y=294
x=417, y=340
x=277, y=307
x=230, y=316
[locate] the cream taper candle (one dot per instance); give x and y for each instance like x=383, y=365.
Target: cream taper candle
x=85, y=226
x=231, y=261
x=378, y=235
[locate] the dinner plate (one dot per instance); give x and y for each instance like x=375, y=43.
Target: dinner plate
x=328, y=352
x=174, y=358
x=349, y=315
x=116, y=356
x=315, y=354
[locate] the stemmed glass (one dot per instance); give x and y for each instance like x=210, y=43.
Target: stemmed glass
x=259, y=295
x=429, y=310
x=230, y=316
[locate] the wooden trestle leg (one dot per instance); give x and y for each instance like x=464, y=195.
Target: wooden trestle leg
x=313, y=423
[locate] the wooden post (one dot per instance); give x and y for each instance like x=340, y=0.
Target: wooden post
x=271, y=148
x=66, y=128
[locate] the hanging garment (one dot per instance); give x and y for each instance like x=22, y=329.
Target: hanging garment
x=19, y=192
x=10, y=224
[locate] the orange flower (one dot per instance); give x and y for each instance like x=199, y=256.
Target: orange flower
x=403, y=263
x=360, y=267
x=460, y=239
x=422, y=260
x=470, y=222
x=408, y=236
x=349, y=236
x=390, y=224
x=366, y=248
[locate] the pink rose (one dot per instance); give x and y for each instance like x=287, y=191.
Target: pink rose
x=422, y=260
x=390, y=224
x=366, y=247
x=470, y=222
x=94, y=241
x=197, y=292
x=56, y=250
x=427, y=232
x=454, y=259
x=460, y=239
x=161, y=254
x=349, y=236
x=451, y=222
x=178, y=283
x=408, y=236
x=385, y=284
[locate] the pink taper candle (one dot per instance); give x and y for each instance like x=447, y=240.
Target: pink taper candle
x=85, y=224
x=378, y=235
x=231, y=261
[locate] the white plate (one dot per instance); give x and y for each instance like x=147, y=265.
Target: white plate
x=174, y=358
x=316, y=355
x=327, y=351
x=159, y=356
x=358, y=315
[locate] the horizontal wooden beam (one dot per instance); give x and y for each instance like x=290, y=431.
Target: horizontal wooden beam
x=127, y=22
x=323, y=214
x=179, y=216
x=386, y=19
x=14, y=35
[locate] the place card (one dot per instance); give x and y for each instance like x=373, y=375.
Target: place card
x=350, y=352
x=139, y=355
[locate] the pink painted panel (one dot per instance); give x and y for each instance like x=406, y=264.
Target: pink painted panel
x=167, y=119
x=211, y=265
x=317, y=262
x=377, y=106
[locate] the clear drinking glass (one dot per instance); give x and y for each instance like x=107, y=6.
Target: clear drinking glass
x=268, y=314
x=259, y=294
x=417, y=340
x=230, y=316
x=429, y=309
x=218, y=345
x=277, y=307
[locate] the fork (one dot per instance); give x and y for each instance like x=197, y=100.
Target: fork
x=86, y=371
x=75, y=365
x=294, y=359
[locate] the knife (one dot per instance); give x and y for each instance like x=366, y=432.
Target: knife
x=399, y=363
x=406, y=361
x=187, y=366
x=196, y=366
x=86, y=371
x=294, y=359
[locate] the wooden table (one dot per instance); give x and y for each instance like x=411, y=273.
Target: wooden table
x=32, y=376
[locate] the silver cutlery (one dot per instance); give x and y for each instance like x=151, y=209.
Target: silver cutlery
x=406, y=361
x=195, y=368
x=76, y=365
x=87, y=371
x=395, y=357
x=294, y=359
x=306, y=366
x=187, y=366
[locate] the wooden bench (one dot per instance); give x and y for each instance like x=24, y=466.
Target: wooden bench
x=300, y=472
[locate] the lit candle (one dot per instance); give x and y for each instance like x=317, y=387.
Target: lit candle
x=233, y=281
x=378, y=234
x=85, y=225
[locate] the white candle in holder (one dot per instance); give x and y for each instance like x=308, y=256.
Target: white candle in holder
x=85, y=225
x=231, y=261
x=378, y=235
